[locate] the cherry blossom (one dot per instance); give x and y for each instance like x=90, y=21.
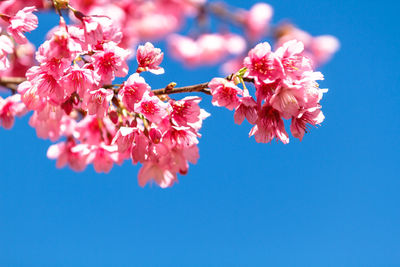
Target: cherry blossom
x=9, y=108
x=149, y=58
x=80, y=94
x=23, y=21
x=225, y=93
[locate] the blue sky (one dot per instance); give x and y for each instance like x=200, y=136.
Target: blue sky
x=330, y=200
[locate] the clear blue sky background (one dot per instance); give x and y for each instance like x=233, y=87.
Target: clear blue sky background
x=331, y=200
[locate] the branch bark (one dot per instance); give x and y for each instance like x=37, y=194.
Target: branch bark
x=202, y=88
x=11, y=83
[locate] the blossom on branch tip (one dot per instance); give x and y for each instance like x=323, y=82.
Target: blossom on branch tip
x=149, y=58
x=76, y=99
x=263, y=65
x=225, y=93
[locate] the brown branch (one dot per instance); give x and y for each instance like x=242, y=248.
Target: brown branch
x=249, y=80
x=12, y=80
x=202, y=88
x=223, y=12
x=11, y=83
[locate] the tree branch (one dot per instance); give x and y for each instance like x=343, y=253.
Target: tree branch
x=202, y=88
x=223, y=12
x=11, y=83
x=11, y=80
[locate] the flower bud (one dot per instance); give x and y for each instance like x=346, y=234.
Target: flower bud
x=67, y=106
x=155, y=135
x=61, y=3
x=113, y=116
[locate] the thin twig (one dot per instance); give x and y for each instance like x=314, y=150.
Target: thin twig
x=11, y=83
x=221, y=11
x=202, y=88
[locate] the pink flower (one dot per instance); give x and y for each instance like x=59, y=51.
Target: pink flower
x=155, y=135
x=198, y=124
x=23, y=21
x=51, y=122
x=269, y=126
x=285, y=100
x=319, y=49
x=246, y=109
x=184, y=49
x=181, y=137
x=139, y=148
x=232, y=65
x=185, y=111
x=30, y=96
x=47, y=85
x=92, y=29
x=262, y=64
x=90, y=130
x=288, y=32
x=213, y=48
x=152, y=108
x=206, y=49
x=97, y=102
x=124, y=138
x=111, y=62
x=149, y=58
x=6, y=47
x=160, y=174
x=9, y=108
x=311, y=116
x=224, y=93
x=55, y=66
x=79, y=79
x=153, y=22
x=258, y=19
x=132, y=91
x=234, y=44
x=293, y=61
x=69, y=153
x=103, y=157
x=323, y=48
x=60, y=45
x=180, y=158
x=264, y=91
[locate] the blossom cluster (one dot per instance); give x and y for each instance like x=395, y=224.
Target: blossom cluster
x=72, y=97
x=286, y=88
x=69, y=84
